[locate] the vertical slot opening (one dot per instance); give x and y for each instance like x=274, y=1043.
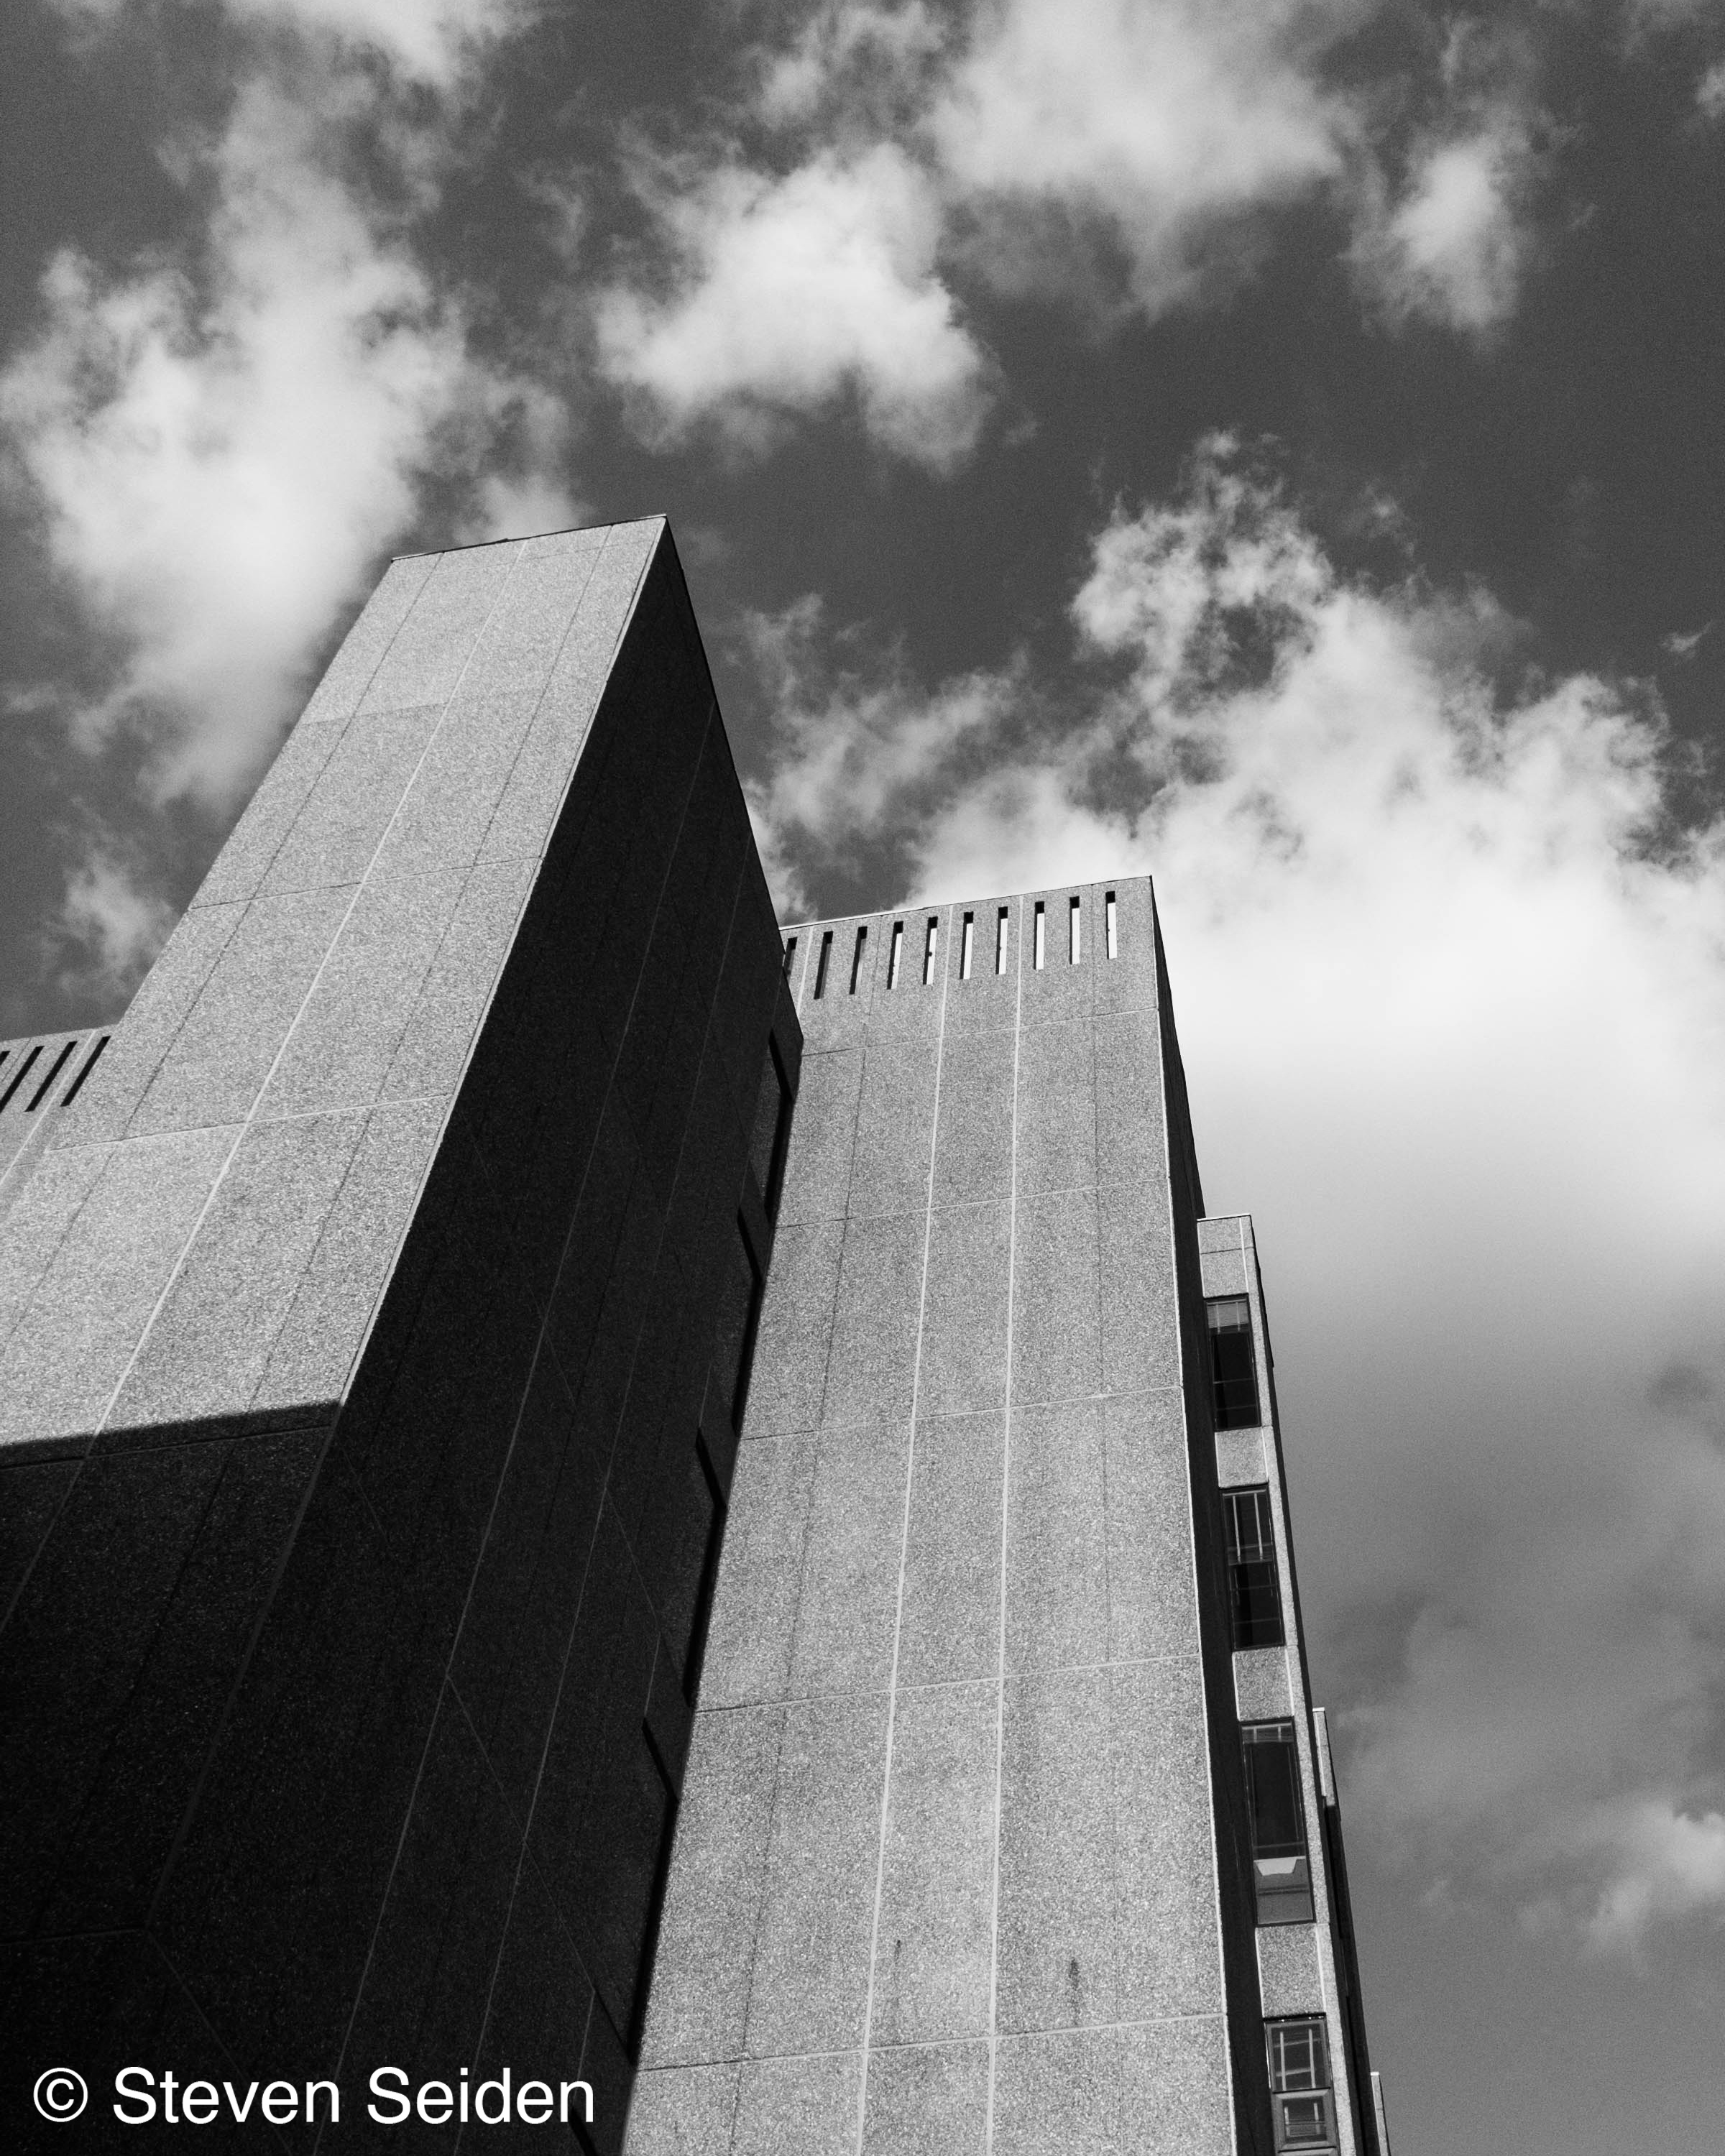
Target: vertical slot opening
x=929, y=942
x=895, y=952
x=856, y=957
x=1036, y=953
x=771, y=1134
x=19, y=1076
x=1075, y=918
x=701, y=1621
x=54, y=1072
x=1000, y=941
x=1113, y=932
x=90, y=1065
x=653, y=1914
x=820, y=969
x=790, y=953
x=965, y=949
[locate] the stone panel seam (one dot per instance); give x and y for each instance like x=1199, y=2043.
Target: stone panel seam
x=550, y=676
x=401, y=1842
x=1168, y=1108
x=904, y=1536
x=1000, y=1672
x=266, y=1604
x=221, y=1177
x=190, y=1997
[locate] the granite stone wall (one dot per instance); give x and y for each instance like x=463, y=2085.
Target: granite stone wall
x=960, y=1863
x=371, y=1325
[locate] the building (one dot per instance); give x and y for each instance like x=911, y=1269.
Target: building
x=495, y=1308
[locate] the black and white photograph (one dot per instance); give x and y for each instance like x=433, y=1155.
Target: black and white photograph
x=862, y=1076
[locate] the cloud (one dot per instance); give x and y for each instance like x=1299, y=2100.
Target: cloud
x=109, y=928
x=1171, y=128
x=883, y=174
x=854, y=745
x=1452, y=986
x=1454, y=245
x=787, y=294
x=215, y=441
x=433, y=42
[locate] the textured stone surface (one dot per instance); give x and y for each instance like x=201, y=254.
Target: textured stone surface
x=1012, y=1628
x=370, y=1293
x=934, y=1941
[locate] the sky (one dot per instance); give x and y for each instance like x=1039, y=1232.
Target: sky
x=1276, y=447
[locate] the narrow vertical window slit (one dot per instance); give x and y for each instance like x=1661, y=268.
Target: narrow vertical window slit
x=929, y=942
x=1000, y=941
x=54, y=1070
x=1113, y=945
x=820, y=966
x=1073, y=932
x=894, y=951
x=90, y=1065
x=965, y=949
x=856, y=957
x=1036, y=951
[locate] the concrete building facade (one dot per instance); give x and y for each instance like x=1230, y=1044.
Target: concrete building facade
x=592, y=1486
x=972, y=1859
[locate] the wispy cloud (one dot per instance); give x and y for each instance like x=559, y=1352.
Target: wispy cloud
x=1439, y=948
x=785, y=294
x=1454, y=241
x=216, y=440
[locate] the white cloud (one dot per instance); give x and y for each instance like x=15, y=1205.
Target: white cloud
x=788, y=293
x=432, y=41
x=109, y=928
x=218, y=440
x=1455, y=246
x=1168, y=125
x=852, y=745
x=219, y=443
x=1452, y=988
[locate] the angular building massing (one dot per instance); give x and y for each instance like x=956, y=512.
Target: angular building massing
x=1008, y=1829
x=593, y=1488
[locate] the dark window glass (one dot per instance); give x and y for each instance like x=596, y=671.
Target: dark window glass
x=772, y=1130
x=1300, y=2084
x=1234, y=1367
x=734, y=1335
x=1281, y=1869
x=1254, y=1591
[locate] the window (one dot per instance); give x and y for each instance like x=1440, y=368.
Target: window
x=856, y=957
x=1036, y=951
x=930, y=940
x=772, y=1130
x=1254, y=1591
x=966, y=946
x=1301, y=2103
x=1113, y=934
x=1000, y=941
x=1073, y=933
x=790, y=953
x=1281, y=1869
x=1234, y=1367
x=821, y=963
x=739, y=1312
x=895, y=952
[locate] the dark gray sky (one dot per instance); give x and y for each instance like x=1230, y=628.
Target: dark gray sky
x=1277, y=446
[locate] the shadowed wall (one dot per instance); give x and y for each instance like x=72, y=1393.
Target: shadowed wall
x=961, y=1864
x=370, y=1329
